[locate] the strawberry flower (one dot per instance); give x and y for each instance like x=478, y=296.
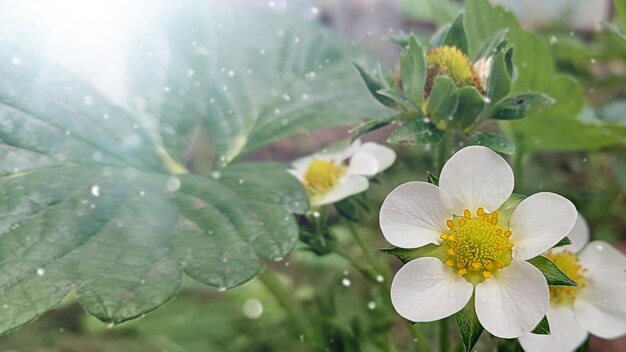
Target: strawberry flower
x=481, y=249
x=329, y=177
x=597, y=305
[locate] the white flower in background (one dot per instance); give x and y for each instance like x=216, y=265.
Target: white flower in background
x=480, y=250
x=482, y=67
x=333, y=176
x=597, y=305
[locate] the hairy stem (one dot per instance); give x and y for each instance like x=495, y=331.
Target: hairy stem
x=444, y=332
x=285, y=299
x=442, y=152
x=366, y=250
x=518, y=168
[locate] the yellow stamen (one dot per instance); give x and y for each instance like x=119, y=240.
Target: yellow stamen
x=450, y=223
x=462, y=272
x=480, y=212
x=449, y=262
x=486, y=274
x=476, y=265
x=467, y=213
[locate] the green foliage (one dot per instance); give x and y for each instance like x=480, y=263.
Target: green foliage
x=97, y=199
x=442, y=101
x=469, y=325
x=553, y=275
x=543, y=328
x=496, y=142
x=413, y=71
x=416, y=132
x=519, y=106
x=407, y=254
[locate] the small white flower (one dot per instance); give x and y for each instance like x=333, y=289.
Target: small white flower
x=331, y=177
x=482, y=67
x=597, y=305
x=480, y=251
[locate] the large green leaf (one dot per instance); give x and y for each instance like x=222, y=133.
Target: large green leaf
x=91, y=199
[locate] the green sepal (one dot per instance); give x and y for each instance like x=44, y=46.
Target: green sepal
x=348, y=209
x=432, y=179
x=493, y=141
x=563, y=242
x=416, y=132
x=519, y=106
x=499, y=81
x=405, y=102
x=471, y=105
x=442, y=101
x=469, y=325
x=407, y=254
x=375, y=124
x=438, y=39
x=493, y=45
x=374, y=85
x=508, y=207
x=455, y=36
x=543, y=328
x=553, y=274
x=413, y=70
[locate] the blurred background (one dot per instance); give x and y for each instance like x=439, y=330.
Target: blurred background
x=95, y=39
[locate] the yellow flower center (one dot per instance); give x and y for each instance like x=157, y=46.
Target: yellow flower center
x=568, y=263
x=450, y=61
x=321, y=176
x=477, y=246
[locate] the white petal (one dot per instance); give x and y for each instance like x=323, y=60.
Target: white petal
x=415, y=214
x=426, y=290
x=347, y=186
x=601, y=306
x=579, y=235
x=599, y=255
x=371, y=159
x=565, y=333
x=539, y=222
x=476, y=177
x=338, y=156
x=513, y=301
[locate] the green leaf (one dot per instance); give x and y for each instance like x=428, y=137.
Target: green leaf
x=438, y=39
x=403, y=100
x=517, y=107
x=492, y=45
x=456, y=35
x=482, y=22
x=563, y=242
x=416, y=132
x=494, y=141
x=246, y=93
x=373, y=85
x=499, y=81
x=432, y=179
x=442, y=101
x=543, y=328
x=620, y=9
x=471, y=105
x=469, y=325
x=348, y=209
x=406, y=255
x=92, y=200
x=553, y=275
x=413, y=71
x=375, y=124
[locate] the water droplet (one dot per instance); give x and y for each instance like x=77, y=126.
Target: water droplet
x=95, y=190
x=346, y=282
x=142, y=281
x=221, y=289
x=316, y=214
x=305, y=96
x=252, y=308
x=16, y=61
x=5, y=306
x=231, y=73
x=67, y=133
x=262, y=51
x=88, y=100
x=296, y=40
x=286, y=97
x=166, y=89
x=380, y=278
x=172, y=184
x=190, y=72
x=142, y=193
x=315, y=11
x=593, y=61
x=272, y=4
x=371, y=305
x=105, y=116
x=41, y=271
x=301, y=338
x=110, y=325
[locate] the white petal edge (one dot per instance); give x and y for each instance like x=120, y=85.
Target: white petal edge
x=539, y=222
x=578, y=235
x=426, y=290
x=476, y=177
x=513, y=301
x=600, y=307
x=566, y=334
x=371, y=159
x=415, y=214
x=599, y=255
x=338, y=156
x=347, y=186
